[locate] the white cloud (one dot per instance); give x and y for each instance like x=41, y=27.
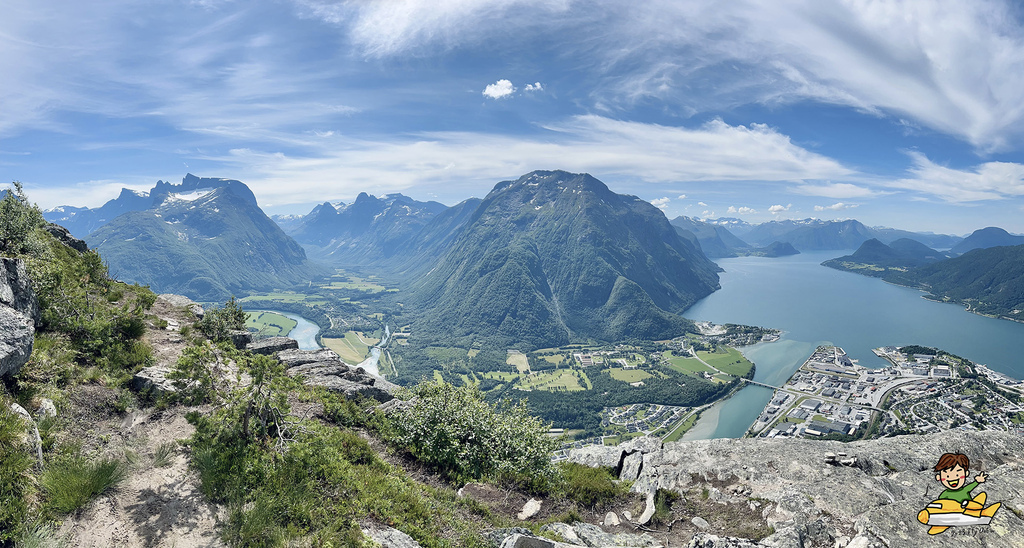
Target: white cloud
x=702, y=204
x=776, y=209
x=835, y=190
x=536, y=86
x=988, y=181
x=499, y=90
x=708, y=214
x=682, y=196
x=741, y=210
x=660, y=203
x=838, y=206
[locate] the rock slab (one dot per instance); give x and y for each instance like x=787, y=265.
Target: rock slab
x=19, y=313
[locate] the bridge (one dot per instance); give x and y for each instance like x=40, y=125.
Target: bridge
x=761, y=384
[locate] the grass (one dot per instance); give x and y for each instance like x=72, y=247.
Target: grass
x=500, y=375
x=70, y=485
x=728, y=360
x=561, y=379
x=677, y=434
x=268, y=323
x=628, y=375
x=352, y=348
x=520, y=361
x=688, y=365
x=164, y=453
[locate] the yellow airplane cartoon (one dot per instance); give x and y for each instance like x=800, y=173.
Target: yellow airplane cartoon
x=955, y=507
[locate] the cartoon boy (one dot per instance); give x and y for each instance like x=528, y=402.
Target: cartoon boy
x=952, y=471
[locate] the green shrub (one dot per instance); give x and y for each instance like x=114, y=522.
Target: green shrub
x=217, y=322
x=193, y=376
x=18, y=220
x=15, y=483
x=454, y=430
x=72, y=483
x=588, y=486
x=163, y=454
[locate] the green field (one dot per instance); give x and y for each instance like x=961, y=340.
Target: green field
x=353, y=348
x=728, y=360
x=270, y=324
x=628, y=375
x=500, y=375
x=520, y=361
x=560, y=379
x=682, y=428
x=688, y=365
x=284, y=297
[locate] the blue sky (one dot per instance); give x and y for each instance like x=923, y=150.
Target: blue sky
x=903, y=114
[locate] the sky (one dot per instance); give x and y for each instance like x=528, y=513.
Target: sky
x=905, y=114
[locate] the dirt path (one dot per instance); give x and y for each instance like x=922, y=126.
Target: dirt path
x=159, y=503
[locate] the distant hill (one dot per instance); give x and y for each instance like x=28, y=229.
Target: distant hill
x=985, y=238
x=206, y=242
x=874, y=258
x=988, y=281
x=555, y=256
x=816, y=234
x=715, y=240
x=366, y=232
x=774, y=249
x=82, y=221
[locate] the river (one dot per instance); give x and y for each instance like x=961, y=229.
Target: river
x=304, y=331
x=816, y=305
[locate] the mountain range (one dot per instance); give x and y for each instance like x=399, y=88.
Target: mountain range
x=818, y=235
x=206, y=238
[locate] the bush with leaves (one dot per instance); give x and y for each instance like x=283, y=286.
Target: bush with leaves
x=216, y=323
x=455, y=430
x=193, y=375
x=18, y=221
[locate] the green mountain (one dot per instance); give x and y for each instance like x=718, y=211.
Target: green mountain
x=986, y=237
x=206, y=242
x=988, y=281
x=873, y=258
x=556, y=256
x=774, y=249
x=369, y=231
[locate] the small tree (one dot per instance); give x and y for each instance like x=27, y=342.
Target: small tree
x=217, y=322
x=18, y=218
x=455, y=430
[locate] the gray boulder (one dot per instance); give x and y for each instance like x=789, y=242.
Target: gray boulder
x=153, y=380
x=239, y=337
x=272, y=344
x=598, y=455
x=176, y=300
x=16, y=289
x=706, y=540
x=336, y=376
x=295, y=357
x=65, y=237
x=19, y=313
x=388, y=537
x=593, y=535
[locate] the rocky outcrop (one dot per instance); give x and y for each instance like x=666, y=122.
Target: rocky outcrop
x=575, y=535
x=153, y=380
x=324, y=368
x=19, y=313
x=184, y=302
x=272, y=344
x=388, y=537
x=65, y=237
x=824, y=493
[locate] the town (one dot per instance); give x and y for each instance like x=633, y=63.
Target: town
x=921, y=390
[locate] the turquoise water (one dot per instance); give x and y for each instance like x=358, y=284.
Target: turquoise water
x=815, y=305
x=304, y=331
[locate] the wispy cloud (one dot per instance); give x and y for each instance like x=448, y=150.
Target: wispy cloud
x=466, y=162
x=835, y=190
x=838, y=206
x=742, y=210
x=955, y=67
x=987, y=181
